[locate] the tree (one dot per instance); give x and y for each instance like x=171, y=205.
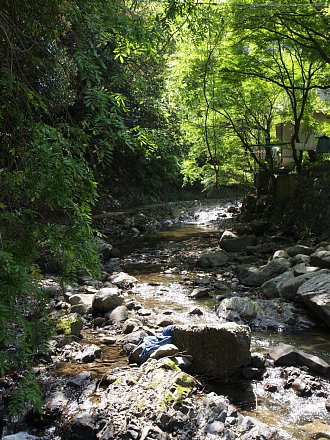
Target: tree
x=212, y=155
x=271, y=50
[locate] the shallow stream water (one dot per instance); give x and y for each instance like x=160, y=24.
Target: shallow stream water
x=161, y=261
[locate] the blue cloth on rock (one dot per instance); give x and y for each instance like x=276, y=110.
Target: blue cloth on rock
x=152, y=343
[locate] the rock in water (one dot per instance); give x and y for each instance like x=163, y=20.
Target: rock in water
x=287, y=355
x=107, y=299
x=218, y=350
x=232, y=243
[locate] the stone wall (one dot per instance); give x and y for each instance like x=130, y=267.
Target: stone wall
x=307, y=211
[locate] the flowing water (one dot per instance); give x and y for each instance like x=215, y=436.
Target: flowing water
x=162, y=262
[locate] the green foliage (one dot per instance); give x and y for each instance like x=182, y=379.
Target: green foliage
x=80, y=83
x=27, y=394
x=240, y=70
x=307, y=237
x=23, y=330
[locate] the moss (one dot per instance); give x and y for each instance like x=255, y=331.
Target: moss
x=169, y=365
x=183, y=385
x=185, y=380
x=63, y=325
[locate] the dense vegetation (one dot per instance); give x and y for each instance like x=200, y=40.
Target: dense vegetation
x=96, y=94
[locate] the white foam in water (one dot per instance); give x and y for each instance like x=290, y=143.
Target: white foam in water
x=209, y=214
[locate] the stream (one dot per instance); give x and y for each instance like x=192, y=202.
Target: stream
x=163, y=262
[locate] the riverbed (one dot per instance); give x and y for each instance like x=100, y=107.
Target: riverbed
x=164, y=265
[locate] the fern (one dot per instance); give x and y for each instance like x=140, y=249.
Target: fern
x=26, y=395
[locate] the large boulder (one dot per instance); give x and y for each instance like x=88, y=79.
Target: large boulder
x=287, y=355
x=275, y=267
x=119, y=314
x=271, y=288
x=299, y=249
x=81, y=303
x=81, y=298
x=315, y=293
x=254, y=277
x=244, y=307
x=107, y=299
x=123, y=280
x=289, y=288
x=250, y=276
x=213, y=259
x=232, y=243
x=81, y=426
x=218, y=350
x=321, y=259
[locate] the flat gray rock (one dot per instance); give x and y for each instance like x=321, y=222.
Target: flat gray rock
x=287, y=355
x=213, y=259
x=315, y=293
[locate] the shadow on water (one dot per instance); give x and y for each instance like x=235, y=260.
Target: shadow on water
x=159, y=239
x=240, y=393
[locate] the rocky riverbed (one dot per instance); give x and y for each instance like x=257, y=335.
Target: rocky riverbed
x=214, y=280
